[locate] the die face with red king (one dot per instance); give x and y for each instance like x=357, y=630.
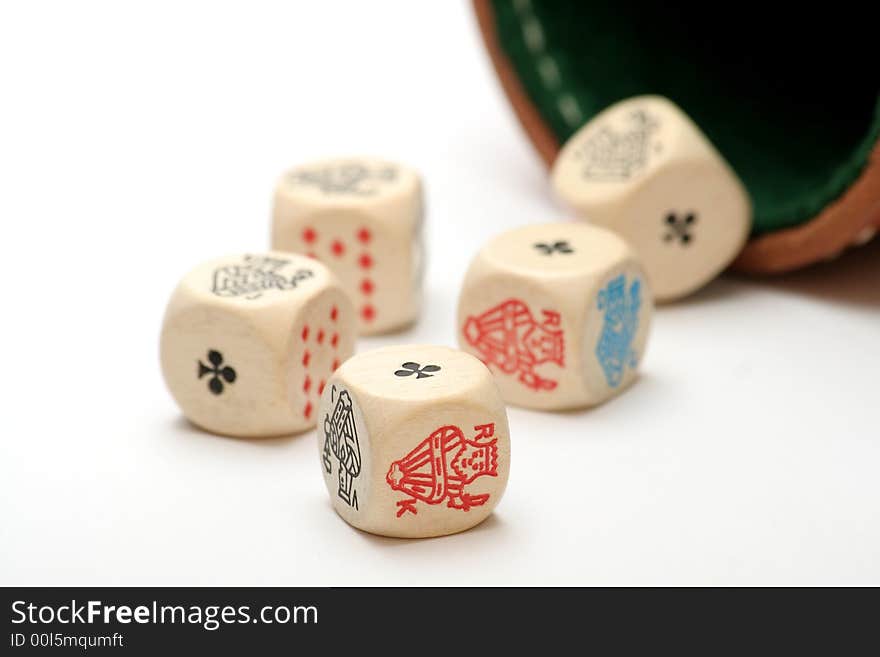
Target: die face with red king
x=413, y=441
x=362, y=217
x=249, y=341
x=560, y=314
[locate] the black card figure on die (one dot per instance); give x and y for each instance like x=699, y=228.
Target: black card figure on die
x=219, y=372
x=348, y=178
x=254, y=276
x=615, y=155
x=341, y=440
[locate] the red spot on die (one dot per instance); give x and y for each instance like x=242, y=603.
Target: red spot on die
x=306, y=358
x=307, y=411
x=363, y=236
x=367, y=286
x=338, y=248
x=334, y=340
x=309, y=235
x=334, y=313
x=365, y=261
x=321, y=387
x=320, y=336
x=311, y=255
x=368, y=313
x=335, y=365
x=307, y=384
x=305, y=333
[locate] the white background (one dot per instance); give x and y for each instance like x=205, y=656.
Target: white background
x=138, y=140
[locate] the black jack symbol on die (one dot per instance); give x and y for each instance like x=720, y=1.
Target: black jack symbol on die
x=219, y=372
x=346, y=178
x=614, y=155
x=679, y=228
x=254, y=276
x=341, y=441
x=561, y=246
x=410, y=368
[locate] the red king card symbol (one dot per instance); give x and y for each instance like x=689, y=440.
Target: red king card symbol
x=509, y=337
x=442, y=465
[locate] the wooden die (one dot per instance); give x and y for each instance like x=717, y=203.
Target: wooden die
x=413, y=441
x=643, y=169
x=559, y=312
x=248, y=342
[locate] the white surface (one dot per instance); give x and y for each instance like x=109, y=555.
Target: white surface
x=135, y=142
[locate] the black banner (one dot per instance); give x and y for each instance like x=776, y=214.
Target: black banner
x=415, y=621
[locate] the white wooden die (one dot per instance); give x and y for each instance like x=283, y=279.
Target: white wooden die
x=249, y=341
x=362, y=218
x=559, y=312
x=413, y=441
x=644, y=170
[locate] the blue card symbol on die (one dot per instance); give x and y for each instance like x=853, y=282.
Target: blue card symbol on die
x=621, y=321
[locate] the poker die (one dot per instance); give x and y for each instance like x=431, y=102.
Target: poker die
x=362, y=218
x=249, y=342
x=413, y=441
x=644, y=170
x=559, y=312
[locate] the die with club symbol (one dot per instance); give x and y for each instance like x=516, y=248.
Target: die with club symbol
x=558, y=332
x=362, y=217
x=642, y=161
x=249, y=341
x=410, y=456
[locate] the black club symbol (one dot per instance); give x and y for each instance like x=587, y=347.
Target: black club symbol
x=219, y=372
x=411, y=368
x=562, y=246
x=679, y=228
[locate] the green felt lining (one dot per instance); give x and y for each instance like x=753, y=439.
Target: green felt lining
x=777, y=96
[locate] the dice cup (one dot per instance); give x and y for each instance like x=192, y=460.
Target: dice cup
x=791, y=102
